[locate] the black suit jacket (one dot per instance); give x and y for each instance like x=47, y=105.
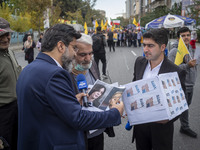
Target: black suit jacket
x=166, y=67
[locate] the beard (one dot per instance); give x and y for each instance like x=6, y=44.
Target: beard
x=67, y=61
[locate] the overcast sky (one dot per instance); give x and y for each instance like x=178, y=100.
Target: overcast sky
x=113, y=8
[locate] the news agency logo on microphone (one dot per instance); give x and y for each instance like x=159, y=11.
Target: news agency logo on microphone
x=82, y=85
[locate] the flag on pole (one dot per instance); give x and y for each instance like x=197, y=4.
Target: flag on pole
x=96, y=24
x=85, y=27
x=105, y=25
x=113, y=27
x=181, y=52
x=101, y=23
x=135, y=22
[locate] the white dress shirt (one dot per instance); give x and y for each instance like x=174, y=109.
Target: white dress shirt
x=149, y=73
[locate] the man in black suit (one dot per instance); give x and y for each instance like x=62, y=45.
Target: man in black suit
x=155, y=135
x=84, y=64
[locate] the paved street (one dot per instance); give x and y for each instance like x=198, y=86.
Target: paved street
x=120, y=66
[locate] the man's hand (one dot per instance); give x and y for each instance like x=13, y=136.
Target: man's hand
x=117, y=104
x=79, y=97
x=192, y=63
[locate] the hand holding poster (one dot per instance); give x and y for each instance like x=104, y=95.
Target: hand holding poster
x=154, y=99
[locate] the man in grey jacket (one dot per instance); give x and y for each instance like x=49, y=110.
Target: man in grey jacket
x=9, y=71
x=189, y=64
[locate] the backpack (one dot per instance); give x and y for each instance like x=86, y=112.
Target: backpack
x=98, y=43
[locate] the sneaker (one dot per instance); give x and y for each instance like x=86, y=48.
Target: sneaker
x=104, y=76
x=188, y=132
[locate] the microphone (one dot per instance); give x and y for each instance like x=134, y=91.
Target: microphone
x=128, y=127
x=82, y=87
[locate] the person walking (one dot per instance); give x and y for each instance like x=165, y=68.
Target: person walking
x=155, y=135
x=9, y=72
x=111, y=41
x=190, y=66
x=39, y=42
x=99, y=50
x=29, y=46
x=139, y=36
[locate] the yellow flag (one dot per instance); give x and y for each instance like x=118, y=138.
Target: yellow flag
x=181, y=52
x=105, y=25
x=113, y=27
x=102, y=24
x=135, y=22
x=85, y=27
x=96, y=24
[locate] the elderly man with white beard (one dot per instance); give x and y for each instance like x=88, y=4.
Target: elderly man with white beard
x=50, y=114
x=85, y=64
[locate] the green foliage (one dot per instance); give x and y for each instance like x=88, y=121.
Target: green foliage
x=194, y=11
x=123, y=22
x=158, y=12
x=176, y=9
x=5, y=12
x=198, y=35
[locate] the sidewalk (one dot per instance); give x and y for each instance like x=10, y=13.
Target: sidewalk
x=16, y=47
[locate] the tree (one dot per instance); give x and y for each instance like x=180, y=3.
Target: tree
x=194, y=11
x=123, y=22
x=5, y=12
x=176, y=9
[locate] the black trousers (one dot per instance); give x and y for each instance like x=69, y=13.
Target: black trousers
x=102, y=57
x=111, y=44
x=9, y=124
x=154, y=136
x=96, y=143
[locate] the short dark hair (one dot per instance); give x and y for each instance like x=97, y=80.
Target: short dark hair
x=182, y=30
x=98, y=28
x=160, y=36
x=59, y=32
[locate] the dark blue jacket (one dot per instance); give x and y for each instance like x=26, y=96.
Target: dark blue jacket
x=50, y=117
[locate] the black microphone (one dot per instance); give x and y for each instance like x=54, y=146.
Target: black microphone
x=82, y=87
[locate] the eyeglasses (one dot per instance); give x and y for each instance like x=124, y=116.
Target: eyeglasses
x=85, y=54
x=74, y=47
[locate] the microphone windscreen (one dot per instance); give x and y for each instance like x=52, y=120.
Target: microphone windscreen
x=81, y=82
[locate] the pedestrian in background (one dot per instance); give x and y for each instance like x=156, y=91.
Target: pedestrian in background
x=139, y=36
x=29, y=46
x=99, y=51
x=39, y=42
x=190, y=66
x=194, y=39
x=9, y=72
x=110, y=40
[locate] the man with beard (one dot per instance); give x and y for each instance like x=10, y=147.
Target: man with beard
x=84, y=64
x=155, y=135
x=190, y=66
x=50, y=116
x=9, y=72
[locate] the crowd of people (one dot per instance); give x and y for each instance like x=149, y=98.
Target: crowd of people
x=43, y=109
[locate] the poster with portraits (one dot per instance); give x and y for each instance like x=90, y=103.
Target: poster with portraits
x=100, y=95
x=154, y=99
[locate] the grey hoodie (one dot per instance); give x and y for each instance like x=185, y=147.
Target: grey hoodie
x=191, y=72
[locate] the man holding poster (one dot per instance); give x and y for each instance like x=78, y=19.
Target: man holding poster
x=155, y=135
x=189, y=64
